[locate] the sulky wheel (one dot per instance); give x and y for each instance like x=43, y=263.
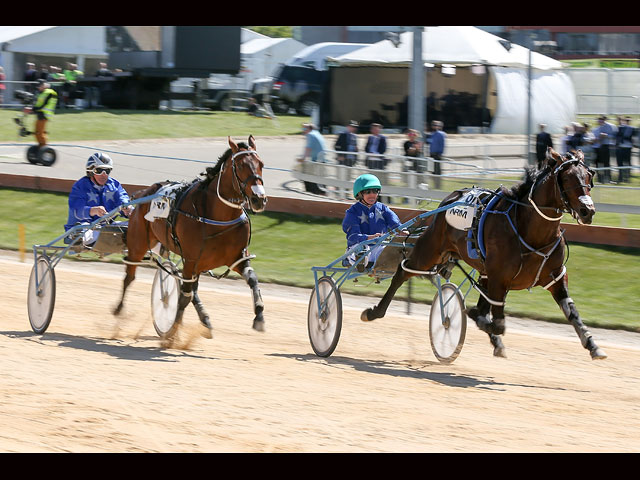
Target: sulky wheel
x=324, y=317
x=447, y=323
x=165, y=292
x=41, y=299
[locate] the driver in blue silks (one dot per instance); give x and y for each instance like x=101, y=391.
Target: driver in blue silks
x=94, y=195
x=368, y=218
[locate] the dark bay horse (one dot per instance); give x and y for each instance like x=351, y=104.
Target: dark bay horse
x=523, y=243
x=207, y=227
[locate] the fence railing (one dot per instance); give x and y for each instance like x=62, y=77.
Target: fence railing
x=411, y=181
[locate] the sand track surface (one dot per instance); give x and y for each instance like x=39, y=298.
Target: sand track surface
x=97, y=383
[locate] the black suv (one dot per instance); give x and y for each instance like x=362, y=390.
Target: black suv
x=297, y=87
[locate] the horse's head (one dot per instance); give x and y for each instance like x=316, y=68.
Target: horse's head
x=575, y=181
x=247, y=168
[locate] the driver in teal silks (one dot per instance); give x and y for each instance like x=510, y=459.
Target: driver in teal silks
x=368, y=218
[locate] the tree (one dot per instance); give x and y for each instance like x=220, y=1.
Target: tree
x=274, y=32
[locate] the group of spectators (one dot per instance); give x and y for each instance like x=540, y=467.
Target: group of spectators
x=375, y=147
x=603, y=145
x=63, y=81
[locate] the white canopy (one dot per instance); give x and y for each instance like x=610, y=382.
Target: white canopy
x=455, y=45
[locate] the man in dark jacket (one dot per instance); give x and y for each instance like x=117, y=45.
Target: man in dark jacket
x=348, y=142
x=376, y=144
x=543, y=141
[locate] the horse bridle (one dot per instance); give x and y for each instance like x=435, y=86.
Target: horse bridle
x=572, y=159
x=242, y=185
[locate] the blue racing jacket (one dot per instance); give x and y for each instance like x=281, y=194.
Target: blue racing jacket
x=86, y=194
x=360, y=221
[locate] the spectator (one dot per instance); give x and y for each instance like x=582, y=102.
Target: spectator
x=543, y=141
x=348, y=142
x=2, y=85
x=103, y=71
x=314, y=149
x=71, y=75
x=605, y=136
x=255, y=110
x=31, y=75
x=624, y=143
x=376, y=144
x=587, y=144
x=44, y=74
x=564, y=141
x=437, y=142
x=413, y=147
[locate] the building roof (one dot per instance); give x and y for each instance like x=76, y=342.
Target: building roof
x=10, y=33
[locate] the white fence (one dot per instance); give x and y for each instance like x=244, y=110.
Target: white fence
x=413, y=188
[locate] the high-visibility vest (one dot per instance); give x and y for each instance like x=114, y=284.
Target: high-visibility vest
x=46, y=102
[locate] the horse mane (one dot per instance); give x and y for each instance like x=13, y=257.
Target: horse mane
x=531, y=176
x=212, y=172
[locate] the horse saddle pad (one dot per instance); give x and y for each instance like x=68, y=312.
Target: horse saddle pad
x=462, y=217
x=161, y=205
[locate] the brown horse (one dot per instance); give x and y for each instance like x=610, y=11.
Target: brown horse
x=524, y=245
x=207, y=227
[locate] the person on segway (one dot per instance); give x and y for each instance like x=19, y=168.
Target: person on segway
x=94, y=195
x=368, y=218
x=44, y=108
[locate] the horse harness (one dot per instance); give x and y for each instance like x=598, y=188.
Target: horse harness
x=182, y=194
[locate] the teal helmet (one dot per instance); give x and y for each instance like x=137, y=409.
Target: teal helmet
x=365, y=182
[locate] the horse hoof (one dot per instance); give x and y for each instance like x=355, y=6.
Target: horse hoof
x=364, y=316
x=598, y=354
x=207, y=329
x=206, y=332
x=500, y=352
x=258, y=325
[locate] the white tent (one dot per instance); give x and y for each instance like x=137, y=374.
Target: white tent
x=450, y=45
x=552, y=95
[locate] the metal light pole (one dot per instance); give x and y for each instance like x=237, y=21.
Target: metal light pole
x=417, y=82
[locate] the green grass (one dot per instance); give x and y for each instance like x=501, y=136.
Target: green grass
x=602, y=280
x=135, y=124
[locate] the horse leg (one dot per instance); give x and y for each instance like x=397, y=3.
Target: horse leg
x=249, y=274
x=197, y=303
x=188, y=295
x=380, y=310
x=560, y=292
x=130, y=276
x=138, y=238
x=423, y=257
x=479, y=315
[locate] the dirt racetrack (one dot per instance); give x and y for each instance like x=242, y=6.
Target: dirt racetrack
x=94, y=383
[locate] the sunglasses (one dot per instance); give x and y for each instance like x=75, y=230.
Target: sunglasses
x=102, y=170
x=370, y=190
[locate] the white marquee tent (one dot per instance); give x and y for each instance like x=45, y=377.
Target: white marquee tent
x=552, y=94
